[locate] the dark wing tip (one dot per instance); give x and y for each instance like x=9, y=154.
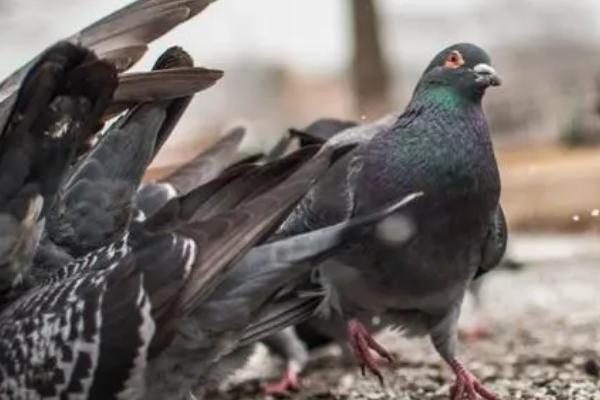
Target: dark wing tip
x=174, y=57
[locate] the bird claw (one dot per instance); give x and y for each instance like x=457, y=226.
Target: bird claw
x=467, y=386
x=362, y=343
x=289, y=382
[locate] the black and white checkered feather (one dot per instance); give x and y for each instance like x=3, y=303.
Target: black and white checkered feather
x=100, y=326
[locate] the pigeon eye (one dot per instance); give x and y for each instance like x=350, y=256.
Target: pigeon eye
x=454, y=59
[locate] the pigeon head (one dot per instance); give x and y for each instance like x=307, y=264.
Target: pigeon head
x=463, y=69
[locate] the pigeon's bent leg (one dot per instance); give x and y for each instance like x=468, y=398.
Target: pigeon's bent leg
x=362, y=343
x=467, y=385
x=288, y=345
x=443, y=337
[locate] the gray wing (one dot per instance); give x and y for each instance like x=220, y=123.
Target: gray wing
x=234, y=186
x=203, y=168
x=179, y=82
x=57, y=108
x=254, y=282
x=207, y=165
x=218, y=242
x=321, y=130
x=328, y=202
x=495, y=244
x=94, y=205
x=318, y=132
x=332, y=199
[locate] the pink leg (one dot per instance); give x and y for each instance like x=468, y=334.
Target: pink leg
x=289, y=381
x=362, y=343
x=467, y=385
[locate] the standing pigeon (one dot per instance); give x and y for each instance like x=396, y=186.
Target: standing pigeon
x=293, y=343
x=440, y=145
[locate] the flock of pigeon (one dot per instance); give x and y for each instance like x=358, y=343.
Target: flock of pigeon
x=111, y=288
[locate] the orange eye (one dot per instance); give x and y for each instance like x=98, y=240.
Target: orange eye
x=454, y=59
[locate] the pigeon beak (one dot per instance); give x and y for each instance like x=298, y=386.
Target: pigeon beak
x=487, y=75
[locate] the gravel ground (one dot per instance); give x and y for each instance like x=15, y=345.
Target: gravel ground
x=545, y=343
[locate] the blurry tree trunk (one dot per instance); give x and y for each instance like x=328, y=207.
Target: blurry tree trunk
x=369, y=70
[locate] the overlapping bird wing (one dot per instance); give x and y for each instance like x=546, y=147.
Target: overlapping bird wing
x=204, y=167
x=235, y=185
x=57, y=108
x=122, y=38
x=318, y=132
x=94, y=207
x=223, y=239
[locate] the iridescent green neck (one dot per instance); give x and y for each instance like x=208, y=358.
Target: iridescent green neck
x=442, y=96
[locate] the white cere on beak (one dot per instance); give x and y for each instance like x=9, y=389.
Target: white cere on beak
x=486, y=71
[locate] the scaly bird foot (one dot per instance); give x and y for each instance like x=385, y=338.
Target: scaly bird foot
x=467, y=386
x=362, y=343
x=289, y=382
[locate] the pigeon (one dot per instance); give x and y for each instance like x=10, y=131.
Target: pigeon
x=93, y=207
x=439, y=145
x=122, y=39
x=59, y=104
x=294, y=343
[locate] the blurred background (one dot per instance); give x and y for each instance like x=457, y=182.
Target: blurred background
x=290, y=62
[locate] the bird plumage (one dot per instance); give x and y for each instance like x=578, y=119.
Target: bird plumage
x=440, y=145
x=120, y=291
x=57, y=107
x=205, y=166
x=94, y=206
